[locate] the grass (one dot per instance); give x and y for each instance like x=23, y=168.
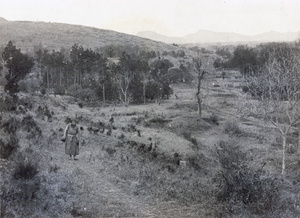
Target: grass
x=56, y=36
x=126, y=175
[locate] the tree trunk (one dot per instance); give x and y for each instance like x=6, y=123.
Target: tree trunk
x=198, y=95
x=199, y=105
x=298, y=141
x=75, y=77
x=283, y=153
x=60, y=76
x=103, y=90
x=144, y=92
x=48, y=84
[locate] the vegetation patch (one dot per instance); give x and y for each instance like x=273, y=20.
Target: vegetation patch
x=244, y=190
x=233, y=129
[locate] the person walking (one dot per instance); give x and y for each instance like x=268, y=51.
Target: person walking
x=71, y=140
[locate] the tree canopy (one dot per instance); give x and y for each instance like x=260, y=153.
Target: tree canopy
x=18, y=65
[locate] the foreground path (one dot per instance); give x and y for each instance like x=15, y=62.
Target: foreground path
x=97, y=196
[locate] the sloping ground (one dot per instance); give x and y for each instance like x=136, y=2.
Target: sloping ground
x=123, y=174
x=114, y=178
x=27, y=34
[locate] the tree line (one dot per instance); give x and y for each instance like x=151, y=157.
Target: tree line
x=128, y=77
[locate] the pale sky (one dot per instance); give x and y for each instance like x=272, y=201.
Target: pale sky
x=168, y=17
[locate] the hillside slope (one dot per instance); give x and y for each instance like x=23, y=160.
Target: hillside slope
x=26, y=34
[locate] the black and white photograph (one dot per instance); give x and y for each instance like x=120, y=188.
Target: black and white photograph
x=149, y=108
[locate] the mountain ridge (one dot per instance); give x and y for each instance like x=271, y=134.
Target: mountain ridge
x=207, y=36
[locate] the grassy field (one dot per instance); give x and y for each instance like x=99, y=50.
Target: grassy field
x=54, y=36
x=178, y=166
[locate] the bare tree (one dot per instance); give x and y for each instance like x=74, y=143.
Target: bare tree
x=277, y=87
x=124, y=81
x=201, y=73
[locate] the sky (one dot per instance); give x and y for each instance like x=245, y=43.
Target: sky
x=167, y=17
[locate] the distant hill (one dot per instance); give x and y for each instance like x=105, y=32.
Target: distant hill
x=2, y=19
x=26, y=34
x=205, y=36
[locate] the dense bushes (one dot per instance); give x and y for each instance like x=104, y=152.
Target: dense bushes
x=30, y=85
x=245, y=190
x=85, y=94
x=26, y=192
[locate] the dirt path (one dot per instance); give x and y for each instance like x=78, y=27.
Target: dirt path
x=96, y=195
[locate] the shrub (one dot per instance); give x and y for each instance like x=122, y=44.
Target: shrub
x=27, y=193
x=25, y=170
x=59, y=90
x=7, y=148
x=27, y=102
x=10, y=126
x=190, y=138
x=29, y=125
x=9, y=103
x=29, y=85
x=232, y=128
x=213, y=119
x=84, y=94
x=43, y=91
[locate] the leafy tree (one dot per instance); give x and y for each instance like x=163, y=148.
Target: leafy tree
x=181, y=74
x=224, y=53
x=218, y=63
x=244, y=58
x=18, y=65
x=174, y=75
x=154, y=90
x=160, y=68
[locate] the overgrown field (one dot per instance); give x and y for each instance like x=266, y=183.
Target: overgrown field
x=154, y=160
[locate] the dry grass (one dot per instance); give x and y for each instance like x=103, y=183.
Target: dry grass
x=56, y=36
x=126, y=175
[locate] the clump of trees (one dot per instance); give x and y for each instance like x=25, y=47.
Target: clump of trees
x=112, y=73
x=243, y=58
